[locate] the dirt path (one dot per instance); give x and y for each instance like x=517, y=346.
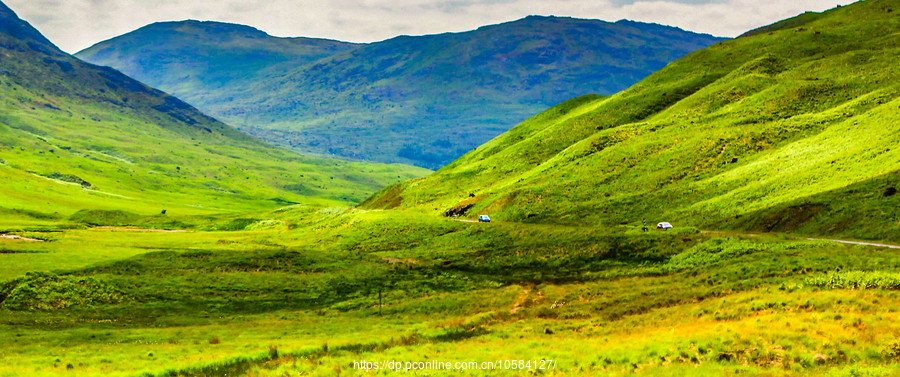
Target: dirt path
x=20, y=238
x=407, y=261
x=525, y=295
x=856, y=243
x=737, y=233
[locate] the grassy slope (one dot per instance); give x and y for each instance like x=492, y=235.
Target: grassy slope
x=776, y=124
x=140, y=149
x=308, y=291
x=424, y=100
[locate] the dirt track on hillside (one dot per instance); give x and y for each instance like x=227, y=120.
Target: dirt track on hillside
x=19, y=238
x=856, y=243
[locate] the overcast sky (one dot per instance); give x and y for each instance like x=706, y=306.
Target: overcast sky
x=77, y=24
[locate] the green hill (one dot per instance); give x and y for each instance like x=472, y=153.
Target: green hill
x=555, y=286
x=78, y=136
x=422, y=100
x=793, y=127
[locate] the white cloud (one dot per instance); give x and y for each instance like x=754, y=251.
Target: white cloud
x=77, y=24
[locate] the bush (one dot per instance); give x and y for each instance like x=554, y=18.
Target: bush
x=235, y=224
x=713, y=251
x=267, y=225
x=105, y=218
x=69, y=178
x=891, y=351
x=48, y=291
x=857, y=280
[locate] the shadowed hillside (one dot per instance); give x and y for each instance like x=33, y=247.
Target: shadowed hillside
x=423, y=100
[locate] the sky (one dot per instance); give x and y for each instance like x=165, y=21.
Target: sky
x=77, y=24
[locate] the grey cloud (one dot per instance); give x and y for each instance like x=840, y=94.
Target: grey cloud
x=619, y=3
x=77, y=24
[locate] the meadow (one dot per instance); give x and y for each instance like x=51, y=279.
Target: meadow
x=309, y=291
x=263, y=265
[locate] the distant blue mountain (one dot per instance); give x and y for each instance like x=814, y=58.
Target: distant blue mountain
x=422, y=100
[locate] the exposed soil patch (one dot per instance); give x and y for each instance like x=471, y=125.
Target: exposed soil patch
x=459, y=210
x=857, y=243
x=19, y=238
x=404, y=261
x=526, y=298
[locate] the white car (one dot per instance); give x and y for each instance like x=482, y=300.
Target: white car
x=664, y=226
x=484, y=219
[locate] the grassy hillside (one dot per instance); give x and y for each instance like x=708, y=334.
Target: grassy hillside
x=307, y=290
x=78, y=136
x=793, y=127
x=421, y=100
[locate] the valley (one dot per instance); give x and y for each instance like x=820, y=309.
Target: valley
x=141, y=237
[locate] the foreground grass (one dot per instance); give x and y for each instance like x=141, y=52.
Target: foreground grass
x=321, y=289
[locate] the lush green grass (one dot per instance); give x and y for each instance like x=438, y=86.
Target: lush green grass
x=422, y=100
x=792, y=129
x=564, y=273
x=304, y=298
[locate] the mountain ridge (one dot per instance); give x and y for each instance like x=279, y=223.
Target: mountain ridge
x=415, y=99
x=11, y=24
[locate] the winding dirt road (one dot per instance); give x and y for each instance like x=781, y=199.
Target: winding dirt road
x=20, y=238
x=856, y=243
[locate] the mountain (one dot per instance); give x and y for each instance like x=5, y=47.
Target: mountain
x=196, y=60
x=791, y=127
x=422, y=100
x=79, y=136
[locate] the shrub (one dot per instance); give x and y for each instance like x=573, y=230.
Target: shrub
x=235, y=224
x=713, y=251
x=105, y=218
x=47, y=291
x=891, y=351
x=266, y=225
x=857, y=280
x=69, y=178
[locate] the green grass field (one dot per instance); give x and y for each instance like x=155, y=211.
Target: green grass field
x=302, y=298
x=250, y=273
